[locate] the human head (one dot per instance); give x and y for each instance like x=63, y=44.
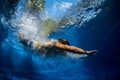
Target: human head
x=63, y=41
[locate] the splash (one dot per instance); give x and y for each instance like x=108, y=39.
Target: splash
x=61, y=14
x=82, y=12
x=30, y=26
x=40, y=27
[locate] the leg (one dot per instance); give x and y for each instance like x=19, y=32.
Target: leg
x=25, y=42
x=20, y=36
x=28, y=43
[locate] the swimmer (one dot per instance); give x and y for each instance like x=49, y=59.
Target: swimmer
x=61, y=46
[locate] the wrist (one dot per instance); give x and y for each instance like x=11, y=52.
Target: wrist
x=85, y=51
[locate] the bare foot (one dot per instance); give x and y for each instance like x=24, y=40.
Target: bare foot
x=20, y=35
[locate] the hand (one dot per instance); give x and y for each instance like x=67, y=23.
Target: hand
x=91, y=52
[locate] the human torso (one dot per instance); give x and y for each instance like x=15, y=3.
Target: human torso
x=47, y=48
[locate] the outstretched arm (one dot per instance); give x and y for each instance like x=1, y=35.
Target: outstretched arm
x=73, y=49
x=70, y=48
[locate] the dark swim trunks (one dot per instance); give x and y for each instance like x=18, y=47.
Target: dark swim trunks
x=27, y=43
x=47, y=48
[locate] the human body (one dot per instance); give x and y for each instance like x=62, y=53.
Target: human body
x=53, y=47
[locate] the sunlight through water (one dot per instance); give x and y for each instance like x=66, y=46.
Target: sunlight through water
x=56, y=16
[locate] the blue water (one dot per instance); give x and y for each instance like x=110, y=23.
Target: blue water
x=102, y=33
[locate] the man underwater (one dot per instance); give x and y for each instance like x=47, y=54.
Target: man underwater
x=58, y=47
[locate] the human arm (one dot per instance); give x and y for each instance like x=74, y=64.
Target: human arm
x=69, y=48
